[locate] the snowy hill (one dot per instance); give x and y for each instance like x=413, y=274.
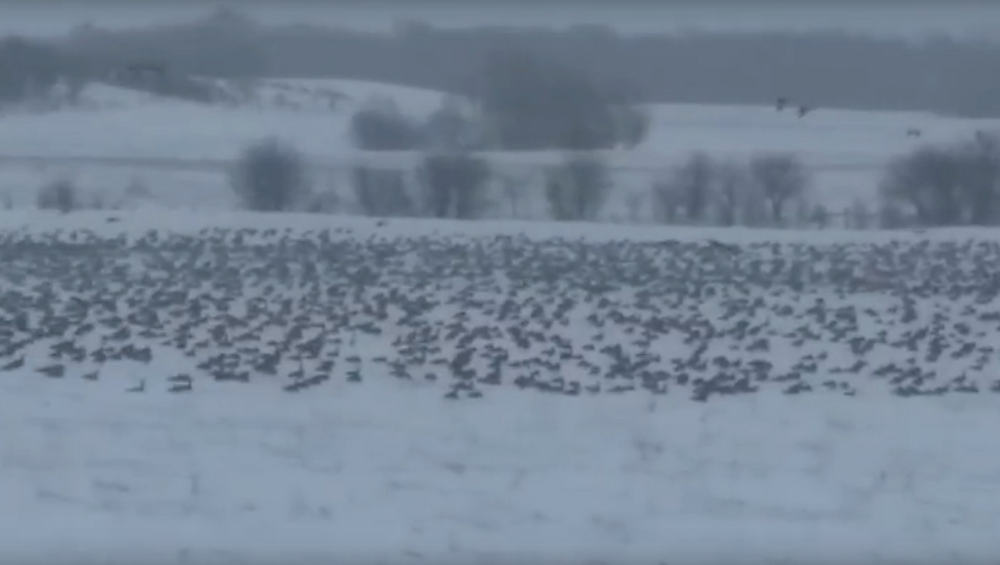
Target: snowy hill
x=107, y=140
x=117, y=122
x=218, y=388
x=314, y=113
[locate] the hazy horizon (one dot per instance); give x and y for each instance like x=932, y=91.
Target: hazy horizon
x=915, y=20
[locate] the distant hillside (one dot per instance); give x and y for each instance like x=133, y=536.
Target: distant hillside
x=828, y=69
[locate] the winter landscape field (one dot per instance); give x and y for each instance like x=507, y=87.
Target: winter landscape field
x=223, y=387
x=207, y=357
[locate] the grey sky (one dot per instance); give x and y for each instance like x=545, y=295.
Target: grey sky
x=902, y=17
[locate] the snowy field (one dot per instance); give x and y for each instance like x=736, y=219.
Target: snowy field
x=180, y=150
x=230, y=388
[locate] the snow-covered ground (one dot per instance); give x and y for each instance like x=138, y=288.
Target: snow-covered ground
x=846, y=150
x=368, y=459
x=392, y=474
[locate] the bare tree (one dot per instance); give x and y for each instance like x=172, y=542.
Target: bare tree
x=270, y=176
x=695, y=180
x=688, y=186
x=780, y=178
x=928, y=180
x=947, y=184
x=820, y=216
x=577, y=189
x=979, y=167
x=513, y=188
x=731, y=193
x=666, y=202
x=455, y=185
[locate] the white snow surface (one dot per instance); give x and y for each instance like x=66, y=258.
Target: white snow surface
x=390, y=472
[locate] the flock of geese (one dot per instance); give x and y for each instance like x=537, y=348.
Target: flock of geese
x=296, y=309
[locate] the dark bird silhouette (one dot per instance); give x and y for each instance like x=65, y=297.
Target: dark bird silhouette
x=53, y=371
x=14, y=365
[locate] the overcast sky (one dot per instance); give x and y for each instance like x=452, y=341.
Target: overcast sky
x=899, y=17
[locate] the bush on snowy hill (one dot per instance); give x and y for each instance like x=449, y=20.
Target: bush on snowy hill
x=270, y=176
x=452, y=127
x=380, y=126
x=533, y=103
